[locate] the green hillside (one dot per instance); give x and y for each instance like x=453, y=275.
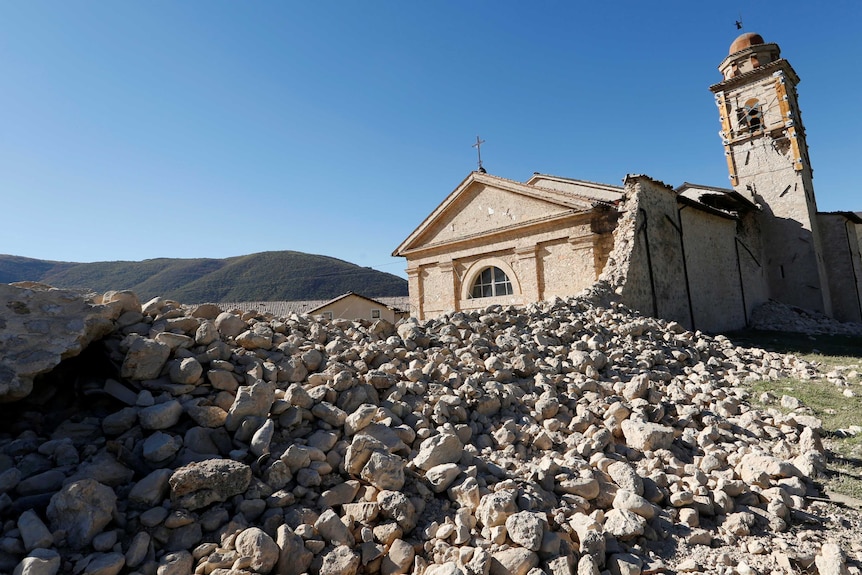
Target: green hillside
x=16, y=268
x=266, y=276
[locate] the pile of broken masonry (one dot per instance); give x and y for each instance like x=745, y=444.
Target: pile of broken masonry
x=561, y=438
x=776, y=316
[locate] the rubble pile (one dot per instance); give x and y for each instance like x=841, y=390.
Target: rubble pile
x=776, y=316
x=563, y=438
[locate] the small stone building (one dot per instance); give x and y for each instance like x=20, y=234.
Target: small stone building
x=355, y=306
x=700, y=255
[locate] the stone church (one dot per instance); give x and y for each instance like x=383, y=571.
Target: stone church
x=700, y=255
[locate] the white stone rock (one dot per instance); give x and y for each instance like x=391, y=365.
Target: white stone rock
x=160, y=415
x=514, y=561
x=399, y=559
x=293, y=558
x=384, y=471
x=177, y=563
x=623, y=524
x=625, y=499
x=438, y=449
x=831, y=560
x=331, y=528
x=647, y=436
x=145, y=358
x=255, y=543
x=526, y=529
x=340, y=561
x=495, y=508
x=441, y=476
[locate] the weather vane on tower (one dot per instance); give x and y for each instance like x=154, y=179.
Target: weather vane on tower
x=478, y=146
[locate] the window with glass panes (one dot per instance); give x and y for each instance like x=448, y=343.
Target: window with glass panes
x=490, y=283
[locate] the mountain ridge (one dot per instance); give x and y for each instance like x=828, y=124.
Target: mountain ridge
x=271, y=275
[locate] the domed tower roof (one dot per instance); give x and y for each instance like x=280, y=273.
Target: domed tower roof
x=748, y=52
x=744, y=41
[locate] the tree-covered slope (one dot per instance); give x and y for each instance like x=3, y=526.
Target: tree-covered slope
x=266, y=276
x=17, y=268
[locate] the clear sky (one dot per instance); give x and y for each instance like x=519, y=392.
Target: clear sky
x=136, y=130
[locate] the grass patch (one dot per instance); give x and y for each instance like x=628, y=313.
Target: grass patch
x=823, y=399
x=845, y=479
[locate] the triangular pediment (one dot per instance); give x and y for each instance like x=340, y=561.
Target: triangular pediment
x=484, y=204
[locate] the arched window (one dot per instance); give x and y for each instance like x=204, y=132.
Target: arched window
x=750, y=117
x=491, y=282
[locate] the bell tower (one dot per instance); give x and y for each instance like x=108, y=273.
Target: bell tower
x=767, y=158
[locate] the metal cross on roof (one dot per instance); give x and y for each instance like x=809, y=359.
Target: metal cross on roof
x=478, y=146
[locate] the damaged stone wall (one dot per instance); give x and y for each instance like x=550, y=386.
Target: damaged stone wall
x=749, y=243
x=645, y=268
x=843, y=265
x=722, y=280
x=712, y=270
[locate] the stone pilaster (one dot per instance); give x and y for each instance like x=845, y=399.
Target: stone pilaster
x=528, y=273
x=414, y=287
x=451, y=284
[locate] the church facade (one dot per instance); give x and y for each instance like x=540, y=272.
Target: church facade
x=700, y=255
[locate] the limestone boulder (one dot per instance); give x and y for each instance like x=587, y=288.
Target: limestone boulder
x=251, y=401
x=230, y=325
x=438, y=449
x=160, y=415
x=399, y=559
x=441, y=476
x=624, y=524
x=186, y=371
x=145, y=358
x=199, y=484
x=514, y=561
x=82, y=509
x=384, y=471
x=34, y=533
x=526, y=529
x=340, y=561
x=331, y=528
x=647, y=436
x=831, y=560
x=495, y=508
x=293, y=558
x=255, y=543
x=177, y=563
x=49, y=325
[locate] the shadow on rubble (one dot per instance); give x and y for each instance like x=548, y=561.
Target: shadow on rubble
x=841, y=460
x=71, y=391
x=796, y=343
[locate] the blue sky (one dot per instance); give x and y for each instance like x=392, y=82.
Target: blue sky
x=136, y=130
